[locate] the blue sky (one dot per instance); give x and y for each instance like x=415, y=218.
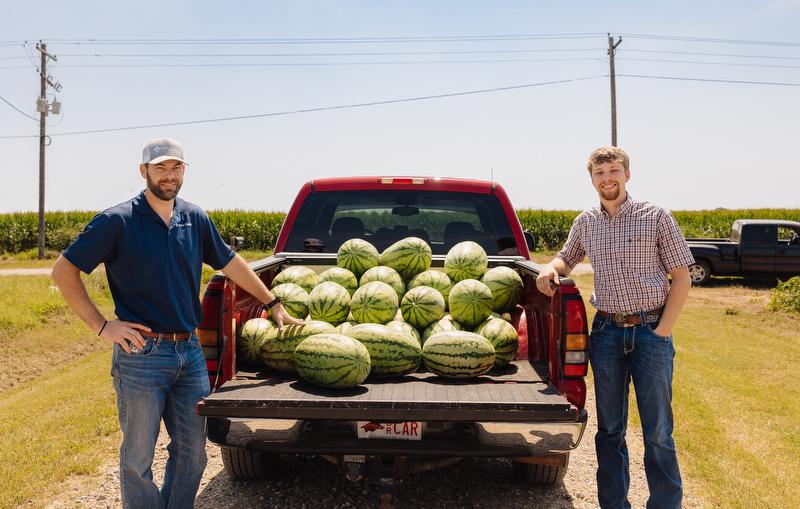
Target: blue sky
x=693, y=144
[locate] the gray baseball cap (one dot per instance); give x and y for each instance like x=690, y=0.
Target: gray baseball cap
x=162, y=149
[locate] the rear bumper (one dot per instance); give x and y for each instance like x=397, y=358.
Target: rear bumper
x=439, y=439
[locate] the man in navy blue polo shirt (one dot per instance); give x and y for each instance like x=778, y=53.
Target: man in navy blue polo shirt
x=153, y=248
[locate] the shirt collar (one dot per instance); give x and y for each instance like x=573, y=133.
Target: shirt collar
x=623, y=208
x=142, y=206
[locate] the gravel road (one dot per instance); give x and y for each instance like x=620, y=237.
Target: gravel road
x=306, y=482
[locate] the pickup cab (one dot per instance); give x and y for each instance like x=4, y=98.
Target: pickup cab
x=756, y=248
x=532, y=411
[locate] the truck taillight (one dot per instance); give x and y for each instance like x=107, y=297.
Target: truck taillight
x=576, y=339
x=402, y=180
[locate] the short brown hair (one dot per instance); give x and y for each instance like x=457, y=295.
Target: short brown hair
x=608, y=155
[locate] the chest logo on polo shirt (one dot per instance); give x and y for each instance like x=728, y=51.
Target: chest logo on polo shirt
x=187, y=223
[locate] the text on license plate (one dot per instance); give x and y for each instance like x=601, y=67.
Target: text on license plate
x=409, y=430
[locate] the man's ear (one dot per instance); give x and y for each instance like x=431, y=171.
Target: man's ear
x=143, y=170
x=627, y=175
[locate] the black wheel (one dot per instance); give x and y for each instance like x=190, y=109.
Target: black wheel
x=248, y=465
x=700, y=272
x=542, y=474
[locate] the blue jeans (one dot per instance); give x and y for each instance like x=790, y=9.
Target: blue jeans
x=619, y=355
x=164, y=380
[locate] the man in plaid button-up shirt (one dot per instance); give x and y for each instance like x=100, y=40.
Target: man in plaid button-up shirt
x=632, y=246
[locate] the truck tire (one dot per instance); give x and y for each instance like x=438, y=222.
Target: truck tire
x=541, y=474
x=700, y=272
x=248, y=465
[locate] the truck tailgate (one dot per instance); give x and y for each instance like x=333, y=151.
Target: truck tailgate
x=514, y=394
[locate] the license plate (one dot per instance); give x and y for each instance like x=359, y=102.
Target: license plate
x=408, y=430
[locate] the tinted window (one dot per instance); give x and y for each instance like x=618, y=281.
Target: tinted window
x=759, y=235
x=383, y=217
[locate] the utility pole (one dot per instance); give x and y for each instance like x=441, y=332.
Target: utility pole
x=612, y=49
x=42, y=108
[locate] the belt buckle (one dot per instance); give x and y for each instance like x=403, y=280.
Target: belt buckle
x=620, y=320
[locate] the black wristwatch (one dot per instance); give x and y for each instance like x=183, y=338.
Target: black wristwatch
x=272, y=303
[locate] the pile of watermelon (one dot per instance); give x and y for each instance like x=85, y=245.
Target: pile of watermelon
x=386, y=314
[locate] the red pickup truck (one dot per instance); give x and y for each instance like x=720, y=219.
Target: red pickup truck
x=532, y=411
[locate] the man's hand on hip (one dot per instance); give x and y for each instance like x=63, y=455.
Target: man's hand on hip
x=124, y=334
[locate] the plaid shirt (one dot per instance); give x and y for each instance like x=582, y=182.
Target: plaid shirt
x=631, y=254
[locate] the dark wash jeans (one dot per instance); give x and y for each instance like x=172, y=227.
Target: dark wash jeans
x=163, y=380
x=619, y=355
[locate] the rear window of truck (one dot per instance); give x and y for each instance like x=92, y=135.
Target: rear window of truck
x=382, y=217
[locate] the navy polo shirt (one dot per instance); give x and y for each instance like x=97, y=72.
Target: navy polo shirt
x=153, y=269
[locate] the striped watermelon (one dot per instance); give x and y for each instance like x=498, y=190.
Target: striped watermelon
x=445, y=324
x=506, y=287
x=458, y=354
x=391, y=352
x=293, y=298
x=329, y=302
x=470, y=302
x=407, y=328
x=434, y=279
x=357, y=256
x=503, y=337
x=408, y=257
x=277, y=350
x=248, y=347
x=332, y=360
x=339, y=275
x=466, y=260
x=421, y=306
x=299, y=275
x=375, y=302
x=343, y=327
x=387, y=275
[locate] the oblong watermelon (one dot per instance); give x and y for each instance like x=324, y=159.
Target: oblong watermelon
x=294, y=299
x=357, y=256
x=277, y=349
x=251, y=338
x=408, y=257
x=343, y=327
x=386, y=275
x=400, y=325
x=470, y=302
x=375, y=302
x=297, y=274
x=506, y=287
x=465, y=260
x=433, y=278
x=332, y=360
x=391, y=352
x=458, y=354
x=329, y=302
x=339, y=275
x=503, y=337
x=422, y=305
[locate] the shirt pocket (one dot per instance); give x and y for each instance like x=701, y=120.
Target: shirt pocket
x=641, y=248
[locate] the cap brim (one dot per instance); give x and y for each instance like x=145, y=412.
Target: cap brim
x=161, y=159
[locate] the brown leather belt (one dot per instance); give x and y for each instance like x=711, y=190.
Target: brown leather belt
x=632, y=319
x=169, y=336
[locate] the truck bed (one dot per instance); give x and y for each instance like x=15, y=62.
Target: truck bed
x=515, y=393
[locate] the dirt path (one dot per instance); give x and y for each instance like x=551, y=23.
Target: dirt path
x=306, y=482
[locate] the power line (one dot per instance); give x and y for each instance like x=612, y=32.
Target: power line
x=735, y=64
x=17, y=109
x=710, y=40
x=325, y=108
x=737, y=55
x=709, y=80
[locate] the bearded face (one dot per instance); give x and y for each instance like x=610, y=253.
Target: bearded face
x=164, y=180
x=609, y=180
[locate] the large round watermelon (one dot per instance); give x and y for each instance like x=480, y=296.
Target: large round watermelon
x=277, y=350
x=299, y=275
x=375, y=302
x=445, y=324
x=332, y=360
x=503, y=337
x=339, y=275
x=466, y=260
x=386, y=275
x=421, y=306
x=391, y=352
x=293, y=298
x=408, y=257
x=404, y=327
x=506, y=287
x=458, y=354
x=357, y=256
x=329, y=302
x=433, y=278
x=248, y=348
x=470, y=302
